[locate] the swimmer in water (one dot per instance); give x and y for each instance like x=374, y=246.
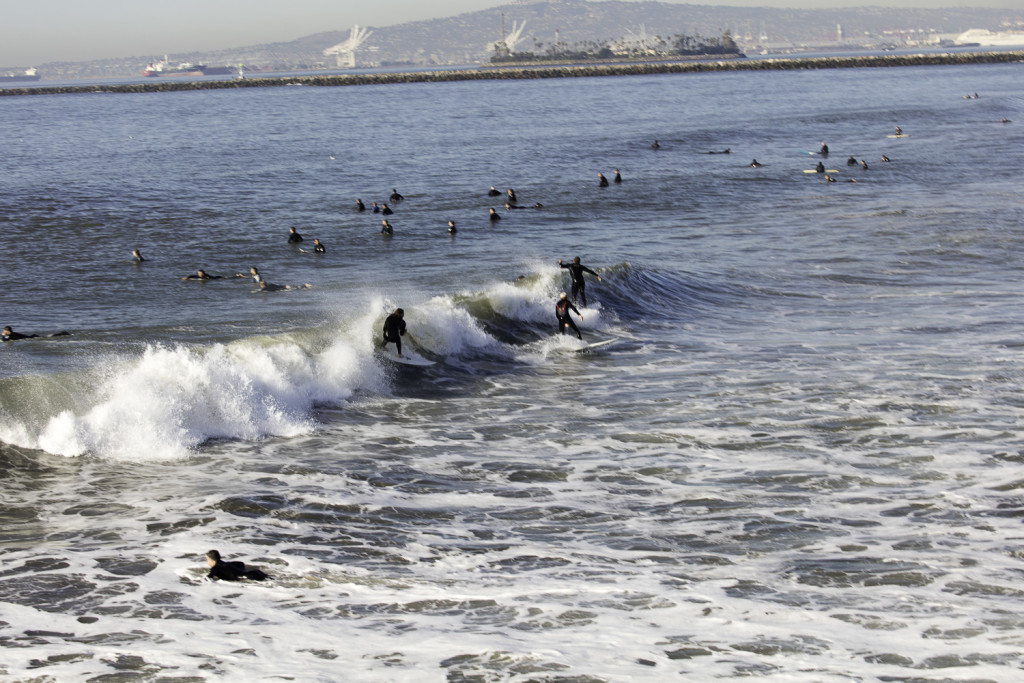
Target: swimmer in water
x=851, y=161
x=864, y=164
x=451, y=228
x=360, y=206
x=755, y=164
x=386, y=210
x=823, y=151
x=618, y=177
x=493, y=192
x=395, y=197
x=511, y=195
x=820, y=168
x=293, y=236
x=385, y=228
x=231, y=571
x=494, y=215
x=137, y=256
x=376, y=209
x=601, y=180
x=885, y=158
x=318, y=248
x=655, y=145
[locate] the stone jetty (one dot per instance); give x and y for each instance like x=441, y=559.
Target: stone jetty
x=545, y=71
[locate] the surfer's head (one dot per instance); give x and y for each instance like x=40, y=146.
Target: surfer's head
x=399, y=312
x=563, y=296
x=576, y=260
x=212, y=557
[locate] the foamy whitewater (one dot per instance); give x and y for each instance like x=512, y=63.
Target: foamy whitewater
x=799, y=459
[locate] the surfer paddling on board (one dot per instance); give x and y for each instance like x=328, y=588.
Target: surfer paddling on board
x=10, y=335
x=203, y=275
x=394, y=330
x=271, y=287
x=562, y=308
x=231, y=571
x=576, y=270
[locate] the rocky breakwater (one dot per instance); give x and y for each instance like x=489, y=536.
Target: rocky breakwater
x=548, y=71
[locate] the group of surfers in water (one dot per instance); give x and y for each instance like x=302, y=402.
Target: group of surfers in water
x=394, y=324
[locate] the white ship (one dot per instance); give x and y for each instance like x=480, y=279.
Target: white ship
x=985, y=38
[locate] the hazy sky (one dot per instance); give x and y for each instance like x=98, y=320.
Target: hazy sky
x=38, y=31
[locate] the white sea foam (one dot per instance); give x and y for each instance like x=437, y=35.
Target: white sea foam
x=172, y=399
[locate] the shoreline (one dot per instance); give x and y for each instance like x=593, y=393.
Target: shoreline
x=520, y=72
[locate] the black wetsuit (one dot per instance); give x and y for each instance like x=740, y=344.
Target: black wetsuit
x=394, y=328
x=820, y=168
x=495, y=217
x=386, y=210
x=603, y=182
x=294, y=237
x=360, y=206
x=235, y=571
x=579, y=290
x=319, y=249
x=492, y=193
x=12, y=336
x=562, y=308
x=203, y=277
x=395, y=197
x=618, y=178
x=851, y=162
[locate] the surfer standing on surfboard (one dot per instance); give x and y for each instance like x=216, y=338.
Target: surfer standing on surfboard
x=579, y=287
x=394, y=329
x=562, y=308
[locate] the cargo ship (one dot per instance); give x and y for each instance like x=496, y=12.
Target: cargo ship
x=29, y=75
x=164, y=68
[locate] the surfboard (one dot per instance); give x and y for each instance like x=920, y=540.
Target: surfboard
x=595, y=345
x=827, y=170
x=408, y=358
x=903, y=135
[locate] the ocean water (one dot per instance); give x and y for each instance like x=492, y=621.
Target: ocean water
x=800, y=460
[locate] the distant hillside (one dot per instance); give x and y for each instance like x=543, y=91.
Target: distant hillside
x=469, y=38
